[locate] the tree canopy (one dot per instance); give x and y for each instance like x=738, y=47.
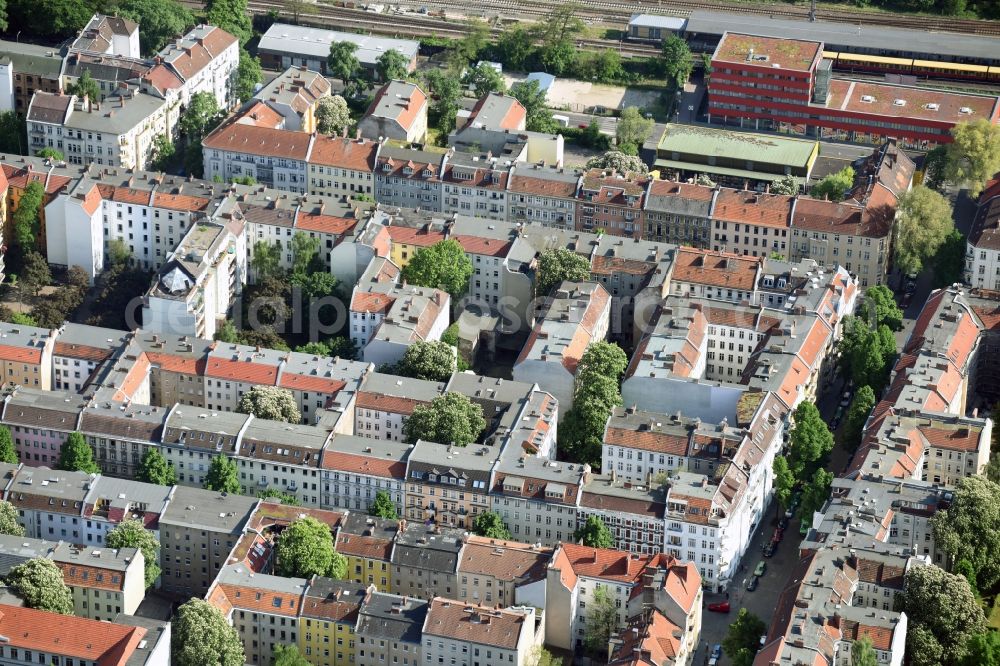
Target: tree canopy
x=40, y=583
x=342, y=62
x=443, y=265
x=532, y=98
x=557, y=265
x=632, y=130
x=484, y=80
x=881, y=309
x=449, y=419
x=594, y=534
x=982, y=650
x=431, y=360
x=810, y=441
x=943, y=613
x=270, y=402
x=743, y=637
x=677, y=61
x=202, y=635
x=863, y=653
x=784, y=481
x=973, y=156
x=131, y=533
x=619, y=162
x=391, y=66
x=969, y=529
x=9, y=524
x=305, y=549
x=383, y=506
x=332, y=115
x=248, y=75
x=7, y=452
x=601, y=359
x=786, y=185
x=489, y=524
x=949, y=262
x=232, y=16
x=76, y=456
x=25, y=216
x=288, y=655
x=602, y=622
x=160, y=21
x=222, y=475
x=923, y=223
x=154, y=468
x=861, y=406
x=834, y=186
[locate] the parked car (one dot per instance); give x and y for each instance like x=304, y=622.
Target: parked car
x=716, y=650
x=719, y=607
x=779, y=534
x=783, y=523
x=769, y=549
x=761, y=568
x=713, y=661
x=752, y=585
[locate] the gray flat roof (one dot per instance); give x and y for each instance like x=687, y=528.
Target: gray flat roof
x=656, y=21
x=284, y=38
x=206, y=509
x=876, y=38
x=33, y=59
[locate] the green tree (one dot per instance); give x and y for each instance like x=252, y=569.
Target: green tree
x=557, y=265
x=949, y=262
x=160, y=21
x=266, y=260
x=222, y=475
x=581, y=433
x=25, y=217
x=861, y=406
x=490, y=525
x=602, y=622
x=163, y=152
x=40, y=583
x=784, y=481
x=342, y=62
x=288, y=655
x=154, y=468
x=743, y=637
x=443, y=265
x=8, y=520
x=484, y=80
x=943, y=614
x=232, y=16
x=431, y=360
x=786, y=185
x=76, y=456
x=7, y=452
x=467, y=49
x=594, y=534
x=879, y=307
x=52, y=18
x=284, y=498
x=35, y=273
x=810, y=441
x=965, y=569
x=835, y=186
x=604, y=66
x=542, y=657
x=23, y=319
x=392, y=66
x=202, y=635
x=383, y=506
x=131, y=533
x=305, y=549
x=248, y=75
x=863, y=654
x=85, y=86
x=271, y=403
x=632, y=129
x=515, y=47
x=227, y=333
x=923, y=222
x=447, y=91
x=973, y=156
x=815, y=493
x=677, y=61
x=332, y=115
x=982, y=650
x=532, y=98
x=13, y=133
x=969, y=529
x=601, y=359
x=200, y=117
x=51, y=153
x=449, y=419
x=619, y=162
x=936, y=167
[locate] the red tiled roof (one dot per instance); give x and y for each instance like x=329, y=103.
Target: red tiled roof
x=485, y=246
x=259, y=600
x=387, y=403
x=368, y=301
x=325, y=224
x=720, y=269
x=105, y=643
x=359, y=464
x=238, y=137
x=241, y=371
x=768, y=210
x=411, y=236
x=297, y=382
x=20, y=354
x=647, y=440
x=344, y=153
x=181, y=364
x=82, y=352
x=526, y=183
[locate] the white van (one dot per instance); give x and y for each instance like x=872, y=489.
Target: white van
x=562, y=120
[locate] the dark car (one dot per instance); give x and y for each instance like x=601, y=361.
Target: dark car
x=752, y=585
x=769, y=549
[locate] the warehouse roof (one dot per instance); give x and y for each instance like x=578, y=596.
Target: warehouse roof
x=759, y=148
x=283, y=38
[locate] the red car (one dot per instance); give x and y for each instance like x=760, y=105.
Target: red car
x=719, y=607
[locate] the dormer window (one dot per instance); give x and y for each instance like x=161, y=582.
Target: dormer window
x=427, y=173
x=408, y=171
x=387, y=167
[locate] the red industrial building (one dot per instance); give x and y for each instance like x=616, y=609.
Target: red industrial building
x=785, y=85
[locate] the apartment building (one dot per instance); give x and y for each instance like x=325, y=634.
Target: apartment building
x=633, y=512
x=119, y=434
x=750, y=223
x=611, y=203
x=385, y=401
x=679, y=213
x=25, y=68
x=198, y=282
x=576, y=573
x=367, y=542
x=474, y=185
x=409, y=178
x=425, y=560
x=110, y=35
x=398, y=112
x=651, y=636
x=720, y=275
x=483, y=635
x=78, y=350
x=390, y=629
x=197, y=533
x=982, y=256
x=327, y=623
x=355, y=468
x=544, y=195
x=448, y=484
x=112, y=500
x=493, y=572
x=342, y=167
x=537, y=497
x=295, y=94
x=578, y=314
x=26, y=355
x=51, y=637
x=117, y=132
x=39, y=422
x=108, y=71
x=50, y=503
x=205, y=59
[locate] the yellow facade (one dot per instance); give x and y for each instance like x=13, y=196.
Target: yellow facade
x=401, y=253
x=369, y=571
x=326, y=642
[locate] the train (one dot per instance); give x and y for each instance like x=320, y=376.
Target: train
x=931, y=69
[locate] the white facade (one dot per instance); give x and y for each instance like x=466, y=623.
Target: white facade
x=7, y=102
x=982, y=267
x=74, y=233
